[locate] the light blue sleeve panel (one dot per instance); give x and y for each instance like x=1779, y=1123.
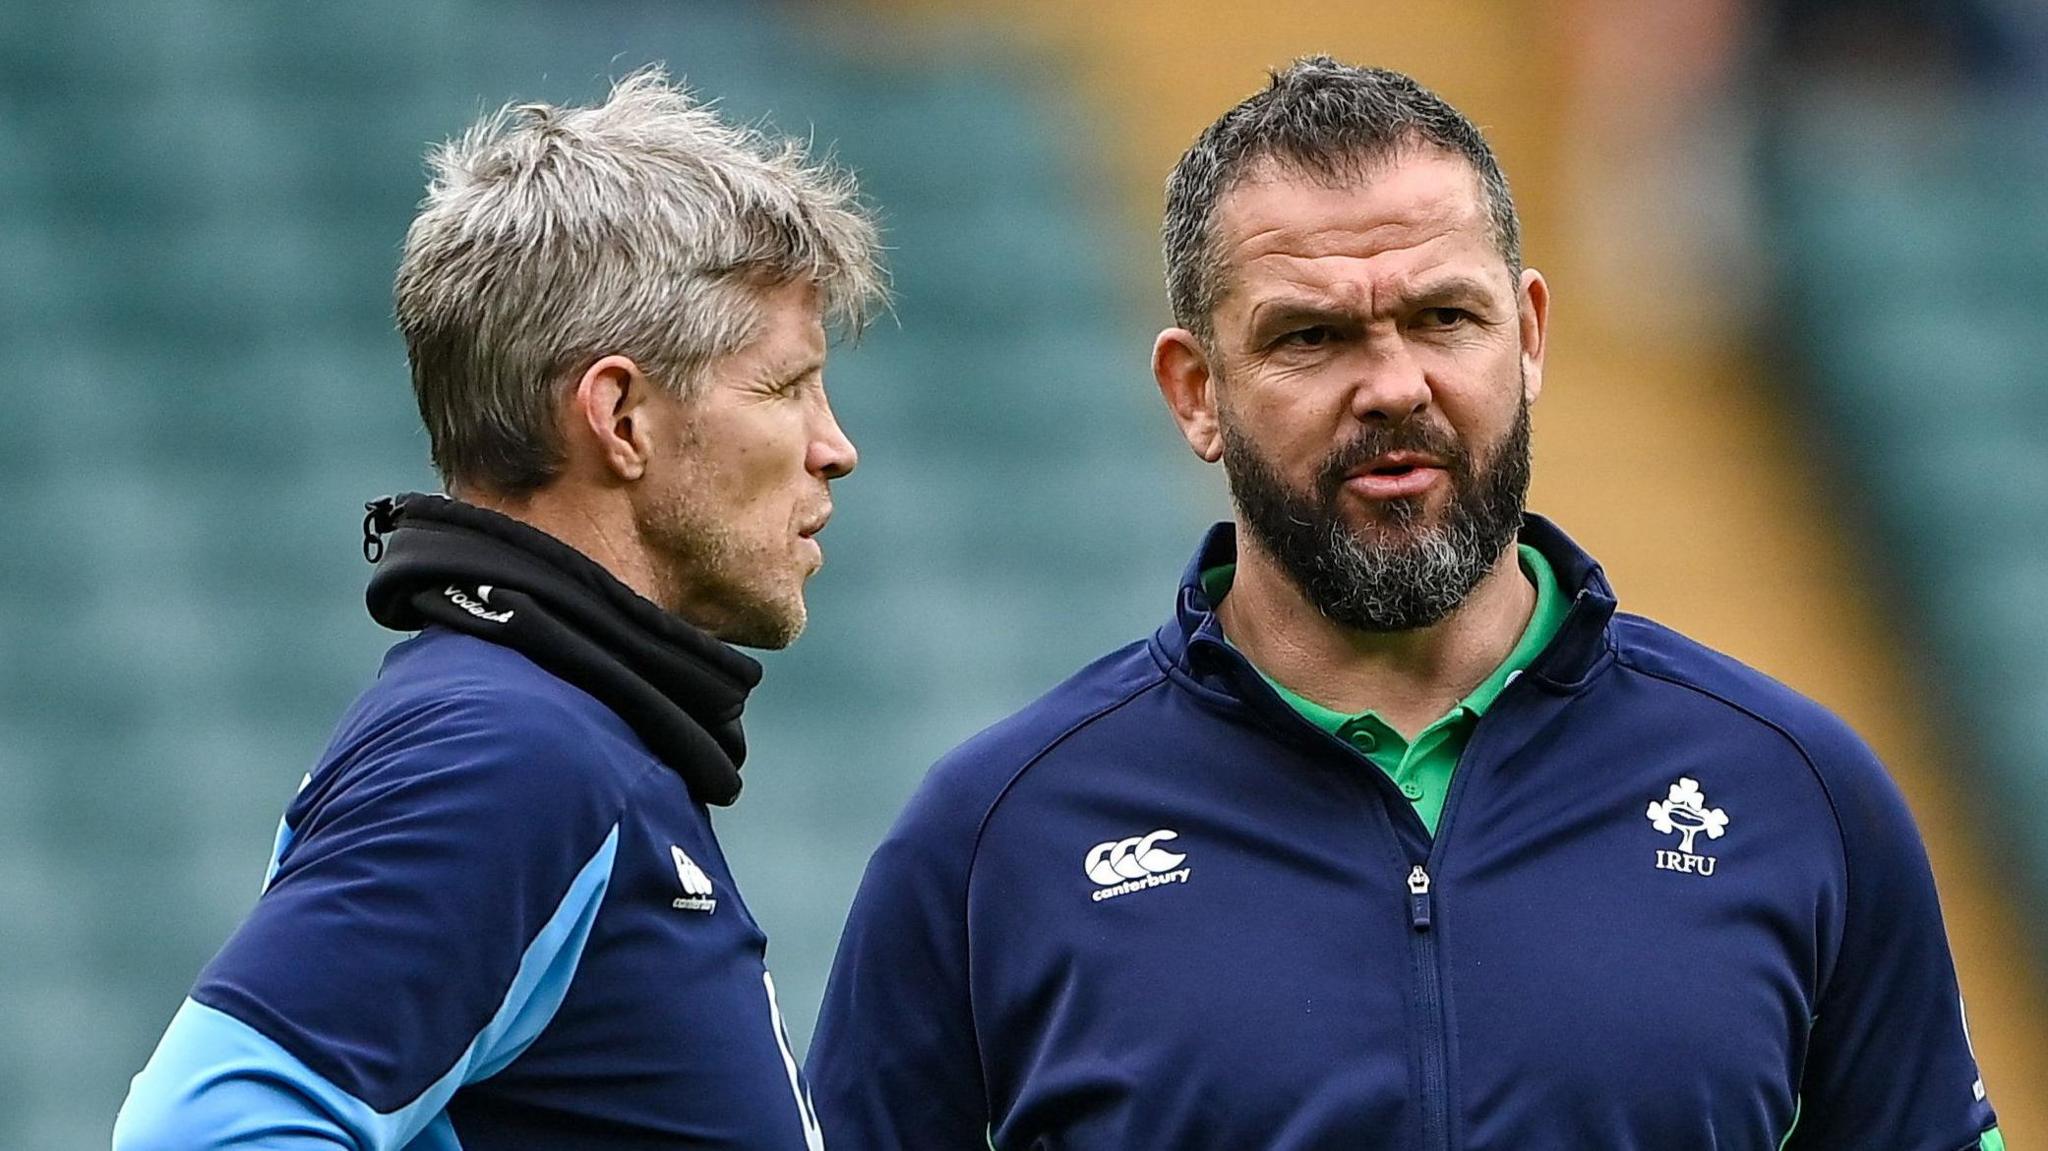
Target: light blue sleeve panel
x=216, y=1082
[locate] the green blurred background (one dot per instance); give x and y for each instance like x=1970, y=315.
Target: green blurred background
x=1797, y=403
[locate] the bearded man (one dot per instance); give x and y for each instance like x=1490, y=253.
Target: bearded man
x=497, y=915
x=1396, y=835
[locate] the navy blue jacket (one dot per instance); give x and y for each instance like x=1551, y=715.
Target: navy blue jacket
x=495, y=920
x=1670, y=905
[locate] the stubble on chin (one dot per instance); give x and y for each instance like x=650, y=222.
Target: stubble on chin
x=706, y=576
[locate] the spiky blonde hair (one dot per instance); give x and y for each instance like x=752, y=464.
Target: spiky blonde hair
x=646, y=226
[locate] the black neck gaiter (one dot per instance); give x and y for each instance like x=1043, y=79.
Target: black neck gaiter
x=441, y=561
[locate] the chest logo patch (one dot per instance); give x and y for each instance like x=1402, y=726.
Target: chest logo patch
x=1121, y=866
x=696, y=885
x=1684, y=812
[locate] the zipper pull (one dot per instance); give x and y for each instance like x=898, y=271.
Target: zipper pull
x=1418, y=898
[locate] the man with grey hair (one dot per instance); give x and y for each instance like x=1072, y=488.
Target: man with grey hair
x=1396, y=834
x=497, y=915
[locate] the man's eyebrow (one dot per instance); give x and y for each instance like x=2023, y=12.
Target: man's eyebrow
x=809, y=366
x=1450, y=289
x=1301, y=309
x=1293, y=309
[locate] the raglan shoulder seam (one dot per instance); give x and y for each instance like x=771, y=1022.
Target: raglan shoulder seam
x=1151, y=680
x=1147, y=683
x=1623, y=657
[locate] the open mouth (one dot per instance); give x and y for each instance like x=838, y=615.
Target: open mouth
x=1400, y=463
x=1396, y=476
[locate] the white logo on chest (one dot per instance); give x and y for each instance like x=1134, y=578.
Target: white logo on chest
x=696, y=884
x=1685, y=813
x=1121, y=866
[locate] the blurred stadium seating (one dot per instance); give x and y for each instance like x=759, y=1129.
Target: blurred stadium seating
x=1910, y=213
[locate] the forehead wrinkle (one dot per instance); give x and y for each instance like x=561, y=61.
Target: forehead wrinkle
x=1339, y=241
x=1294, y=242
x=1330, y=213
x=1349, y=296
x=1354, y=285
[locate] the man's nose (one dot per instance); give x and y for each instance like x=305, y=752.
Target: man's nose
x=831, y=454
x=1391, y=386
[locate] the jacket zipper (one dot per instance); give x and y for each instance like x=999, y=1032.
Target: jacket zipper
x=1436, y=1101
x=1436, y=1121
x=1435, y=1096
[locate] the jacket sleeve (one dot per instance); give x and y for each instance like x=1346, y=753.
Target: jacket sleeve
x=1888, y=1062
x=894, y=1063
x=427, y=909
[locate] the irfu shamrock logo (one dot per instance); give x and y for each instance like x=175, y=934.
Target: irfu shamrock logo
x=1686, y=812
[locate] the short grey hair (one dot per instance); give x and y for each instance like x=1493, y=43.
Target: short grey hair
x=645, y=227
x=1327, y=120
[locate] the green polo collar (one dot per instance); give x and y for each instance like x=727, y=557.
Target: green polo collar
x=1422, y=768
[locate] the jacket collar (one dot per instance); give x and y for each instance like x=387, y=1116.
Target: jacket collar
x=1193, y=641
x=452, y=564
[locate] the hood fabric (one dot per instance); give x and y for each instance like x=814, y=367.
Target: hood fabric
x=447, y=563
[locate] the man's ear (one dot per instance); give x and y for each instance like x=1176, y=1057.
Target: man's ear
x=1181, y=367
x=611, y=413
x=1534, y=308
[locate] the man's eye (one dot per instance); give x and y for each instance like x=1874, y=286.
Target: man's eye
x=1311, y=337
x=1442, y=317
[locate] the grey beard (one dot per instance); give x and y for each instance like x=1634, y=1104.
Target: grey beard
x=1413, y=575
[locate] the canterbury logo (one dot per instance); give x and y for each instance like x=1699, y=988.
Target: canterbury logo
x=1121, y=866
x=696, y=884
